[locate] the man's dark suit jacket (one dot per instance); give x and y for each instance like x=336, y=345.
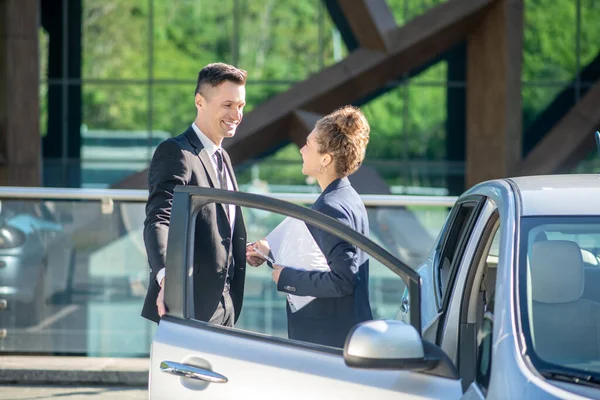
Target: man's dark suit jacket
x=342, y=295
x=184, y=161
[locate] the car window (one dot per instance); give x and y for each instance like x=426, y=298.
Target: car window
x=560, y=291
x=461, y=225
x=370, y=290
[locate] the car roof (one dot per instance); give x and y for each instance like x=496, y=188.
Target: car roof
x=559, y=194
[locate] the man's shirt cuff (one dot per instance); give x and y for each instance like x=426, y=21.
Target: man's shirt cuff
x=160, y=275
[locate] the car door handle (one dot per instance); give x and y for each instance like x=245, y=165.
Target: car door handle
x=189, y=371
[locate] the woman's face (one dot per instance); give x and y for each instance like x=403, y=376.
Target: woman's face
x=311, y=158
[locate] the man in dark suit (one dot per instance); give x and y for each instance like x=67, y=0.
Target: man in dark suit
x=196, y=158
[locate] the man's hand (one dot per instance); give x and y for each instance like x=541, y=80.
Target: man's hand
x=276, y=272
x=160, y=300
x=253, y=257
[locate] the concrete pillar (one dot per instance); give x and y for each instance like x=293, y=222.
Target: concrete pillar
x=19, y=94
x=494, y=115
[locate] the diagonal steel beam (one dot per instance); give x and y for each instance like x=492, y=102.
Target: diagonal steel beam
x=371, y=21
x=361, y=73
x=568, y=142
x=302, y=123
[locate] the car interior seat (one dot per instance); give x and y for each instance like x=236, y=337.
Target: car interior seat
x=565, y=325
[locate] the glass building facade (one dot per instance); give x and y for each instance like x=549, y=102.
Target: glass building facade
x=119, y=76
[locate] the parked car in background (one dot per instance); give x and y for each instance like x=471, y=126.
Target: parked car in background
x=36, y=261
x=505, y=307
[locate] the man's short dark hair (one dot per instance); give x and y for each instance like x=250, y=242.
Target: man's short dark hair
x=216, y=73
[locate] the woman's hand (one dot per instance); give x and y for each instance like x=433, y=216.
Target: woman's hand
x=276, y=272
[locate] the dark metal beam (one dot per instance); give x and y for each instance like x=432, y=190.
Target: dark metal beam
x=62, y=142
x=559, y=107
x=569, y=141
x=371, y=21
x=341, y=23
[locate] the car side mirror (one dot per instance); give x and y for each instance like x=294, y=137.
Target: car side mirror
x=394, y=345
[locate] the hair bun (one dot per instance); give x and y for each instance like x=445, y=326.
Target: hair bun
x=345, y=134
x=349, y=122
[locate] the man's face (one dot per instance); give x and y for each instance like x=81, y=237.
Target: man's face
x=311, y=158
x=221, y=110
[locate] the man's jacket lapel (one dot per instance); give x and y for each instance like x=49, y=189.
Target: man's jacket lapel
x=204, y=157
x=230, y=170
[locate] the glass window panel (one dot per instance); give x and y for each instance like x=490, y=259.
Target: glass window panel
x=44, y=40
x=535, y=101
x=589, y=165
x=277, y=173
x=74, y=278
x=173, y=108
x=408, y=123
x=333, y=47
x=549, y=41
x=190, y=34
x=279, y=40
x=75, y=274
x=387, y=118
x=116, y=140
x=405, y=10
x=43, y=109
x=426, y=129
x=115, y=39
x=256, y=93
x=589, y=40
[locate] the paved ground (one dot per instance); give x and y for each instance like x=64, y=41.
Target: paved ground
x=77, y=371
x=17, y=392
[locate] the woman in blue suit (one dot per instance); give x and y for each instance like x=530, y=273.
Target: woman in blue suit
x=333, y=150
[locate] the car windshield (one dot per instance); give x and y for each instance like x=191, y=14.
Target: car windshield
x=560, y=289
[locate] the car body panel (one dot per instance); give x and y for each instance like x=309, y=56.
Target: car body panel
x=273, y=369
x=559, y=194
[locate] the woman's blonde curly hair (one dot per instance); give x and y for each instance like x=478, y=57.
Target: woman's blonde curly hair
x=344, y=134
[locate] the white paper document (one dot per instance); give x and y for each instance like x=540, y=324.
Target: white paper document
x=293, y=246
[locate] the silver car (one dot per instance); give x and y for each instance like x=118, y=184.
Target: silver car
x=506, y=306
x=36, y=261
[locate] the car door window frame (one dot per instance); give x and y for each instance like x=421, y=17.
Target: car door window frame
x=188, y=201
x=477, y=202
x=468, y=372
x=447, y=330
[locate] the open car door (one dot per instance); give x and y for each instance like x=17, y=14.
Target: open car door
x=191, y=359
